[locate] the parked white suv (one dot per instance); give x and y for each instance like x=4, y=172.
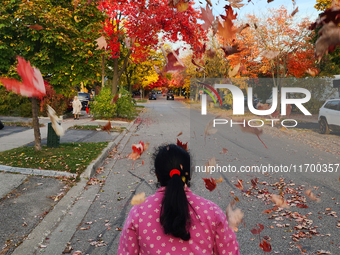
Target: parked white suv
x=329, y=116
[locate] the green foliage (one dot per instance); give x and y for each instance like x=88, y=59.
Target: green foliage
x=14, y=104
x=125, y=107
x=228, y=100
x=102, y=107
x=63, y=48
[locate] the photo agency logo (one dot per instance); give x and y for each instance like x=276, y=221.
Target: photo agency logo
x=238, y=104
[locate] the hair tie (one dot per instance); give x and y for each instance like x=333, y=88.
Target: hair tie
x=174, y=171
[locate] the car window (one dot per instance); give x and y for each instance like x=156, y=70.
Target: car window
x=333, y=105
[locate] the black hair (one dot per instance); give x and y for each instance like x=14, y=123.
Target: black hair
x=174, y=215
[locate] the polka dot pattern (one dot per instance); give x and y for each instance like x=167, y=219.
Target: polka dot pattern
x=210, y=234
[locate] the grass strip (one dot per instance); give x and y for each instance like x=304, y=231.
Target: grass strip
x=21, y=124
x=70, y=157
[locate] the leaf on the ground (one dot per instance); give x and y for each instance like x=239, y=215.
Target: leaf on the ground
x=254, y=182
x=68, y=249
x=234, y=216
x=210, y=184
x=265, y=246
x=183, y=145
x=138, y=198
x=239, y=184
x=224, y=150
x=279, y=201
x=102, y=44
x=208, y=17
x=85, y=228
x=181, y=133
x=268, y=211
x=323, y=252
x=77, y=253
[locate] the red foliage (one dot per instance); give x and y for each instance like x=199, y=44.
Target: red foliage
x=143, y=20
x=183, y=145
x=266, y=247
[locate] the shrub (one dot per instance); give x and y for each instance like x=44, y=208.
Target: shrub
x=102, y=106
x=125, y=107
x=57, y=101
x=14, y=104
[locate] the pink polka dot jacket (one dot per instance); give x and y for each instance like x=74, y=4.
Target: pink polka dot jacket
x=210, y=234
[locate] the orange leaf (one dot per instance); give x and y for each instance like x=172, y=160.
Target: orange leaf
x=138, y=199
x=266, y=247
x=183, y=145
x=35, y=27
x=310, y=194
x=279, y=201
x=239, y=184
x=267, y=211
x=107, y=127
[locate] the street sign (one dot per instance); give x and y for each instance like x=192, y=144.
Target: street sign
x=201, y=92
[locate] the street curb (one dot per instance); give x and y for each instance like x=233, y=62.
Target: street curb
x=32, y=171
x=33, y=241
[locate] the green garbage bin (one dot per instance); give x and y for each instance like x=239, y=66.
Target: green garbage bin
x=53, y=140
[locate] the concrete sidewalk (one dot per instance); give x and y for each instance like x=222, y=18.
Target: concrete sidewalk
x=26, y=136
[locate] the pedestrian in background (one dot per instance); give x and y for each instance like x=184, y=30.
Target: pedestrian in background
x=76, y=104
x=174, y=220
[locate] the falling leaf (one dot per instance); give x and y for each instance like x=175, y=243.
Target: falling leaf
x=35, y=27
x=265, y=246
x=225, y=27
x=279, y=201
x=102, y=44
x=181, y=133
x=174, y=64
x=312, y=72
x=256, y=231
x=182, y=6
x=200, y=68
x=254, y=182
x=219, y=180
x=229, y=50
x=209, y=130
x=234, y=216
x=234, y=71
x=270, y=54
x=59, y=130
x=210, y=184
x=239, y=184
x=107, y=127
x=32, y=84
x=295, y=11
x=236, y=3
x=183, y=145
x=114, y=99
x=329, y=38
x=118, y=229
x=311, y=195
x=138, y=149
x=211, y=162
x=209, y=2
x=253, y=130
x=208, y=17
x=138, y=198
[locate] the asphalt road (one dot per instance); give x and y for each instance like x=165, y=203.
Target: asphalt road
x=314, y=226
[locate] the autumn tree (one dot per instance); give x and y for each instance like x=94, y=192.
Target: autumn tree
x=54, y=36
x=135, y=26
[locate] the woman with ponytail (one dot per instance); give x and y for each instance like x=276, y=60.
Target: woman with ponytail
x=174, y=220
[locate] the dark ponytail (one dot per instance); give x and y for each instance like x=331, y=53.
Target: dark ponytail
x=174, y=216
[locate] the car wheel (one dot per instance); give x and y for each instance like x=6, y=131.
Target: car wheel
x=323, y=126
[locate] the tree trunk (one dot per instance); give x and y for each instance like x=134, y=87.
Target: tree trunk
x=37, y=138
x=114, y=85
x=103, y=70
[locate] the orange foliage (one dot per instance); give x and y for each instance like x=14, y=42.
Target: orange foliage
x=278, y=32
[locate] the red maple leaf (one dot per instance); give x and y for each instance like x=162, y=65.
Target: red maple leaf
x=210, y=184
x=183, y=145
x=265, y=246
x=258, y=230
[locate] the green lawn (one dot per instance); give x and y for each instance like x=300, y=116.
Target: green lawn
x=70, y=157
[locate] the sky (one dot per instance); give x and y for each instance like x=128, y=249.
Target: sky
x=306, y=7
